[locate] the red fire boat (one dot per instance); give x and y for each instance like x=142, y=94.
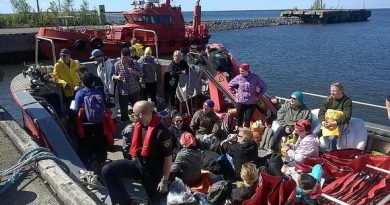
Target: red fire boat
x=150, y=22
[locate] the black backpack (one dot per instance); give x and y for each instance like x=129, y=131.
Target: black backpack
x=219, y=192
x=220, y=60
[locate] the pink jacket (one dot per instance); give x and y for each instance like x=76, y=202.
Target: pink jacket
x=304, y=147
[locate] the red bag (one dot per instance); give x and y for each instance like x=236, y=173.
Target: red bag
x=273, y=190
x=287, y=191
x=265, y=186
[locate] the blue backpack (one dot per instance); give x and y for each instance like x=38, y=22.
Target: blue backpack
x=94, y=107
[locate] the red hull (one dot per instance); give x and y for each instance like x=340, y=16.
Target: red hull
x=166, y=21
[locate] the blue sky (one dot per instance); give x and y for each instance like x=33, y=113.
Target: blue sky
x=219, y=5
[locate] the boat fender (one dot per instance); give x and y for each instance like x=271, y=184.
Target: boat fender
x=171, y=43
x=80, y=44
x=96, y=43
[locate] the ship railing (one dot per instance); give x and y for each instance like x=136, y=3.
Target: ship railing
x=53, y=48
x=353, y=101
x=148, y=31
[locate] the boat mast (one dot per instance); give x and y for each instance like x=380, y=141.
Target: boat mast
x=196, y=18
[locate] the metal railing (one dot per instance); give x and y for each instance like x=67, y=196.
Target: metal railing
x=155, y=38
x=53, y=48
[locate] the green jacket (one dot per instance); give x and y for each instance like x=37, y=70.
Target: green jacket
x=65, y=75
x=343, y=104
x=288, y=115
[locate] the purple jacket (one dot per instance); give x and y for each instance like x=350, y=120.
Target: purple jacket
x=247, y=88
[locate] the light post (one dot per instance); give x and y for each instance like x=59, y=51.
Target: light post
x=37, y=6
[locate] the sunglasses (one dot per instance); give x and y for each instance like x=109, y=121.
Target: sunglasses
x=179, y=121
x=292, y=98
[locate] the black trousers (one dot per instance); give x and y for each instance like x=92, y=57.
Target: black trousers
x=114, y=172
x=150, y=90
x=92, y=148
x=124, y=103
x=244, y=111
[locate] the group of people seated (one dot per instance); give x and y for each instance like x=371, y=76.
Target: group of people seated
x=156, y=150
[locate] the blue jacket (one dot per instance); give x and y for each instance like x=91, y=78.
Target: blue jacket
x=79, y=97
x=246, y=87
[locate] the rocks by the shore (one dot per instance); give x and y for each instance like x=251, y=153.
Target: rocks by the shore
x=221, y=25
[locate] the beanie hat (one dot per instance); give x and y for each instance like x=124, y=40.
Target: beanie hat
x=187, y=140
x=96, y=53
x=209, y=103
x=148, y=51
x=64, y=51
x=298, y=95
x=244, y=66
x=302, y=125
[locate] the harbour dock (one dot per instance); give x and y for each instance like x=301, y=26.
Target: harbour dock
x=328, y=15
x=46, y=183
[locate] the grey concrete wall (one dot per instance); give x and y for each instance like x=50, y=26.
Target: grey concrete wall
x=14, y=43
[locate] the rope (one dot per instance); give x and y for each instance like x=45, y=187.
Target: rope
x=30, y=157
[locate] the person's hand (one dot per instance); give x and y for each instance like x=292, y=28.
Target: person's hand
x=163, y=186
x=76, y=88
x=324, y=123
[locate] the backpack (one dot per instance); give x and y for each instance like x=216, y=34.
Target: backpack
x=94, y=107
x=219, y=192
x=220, y=60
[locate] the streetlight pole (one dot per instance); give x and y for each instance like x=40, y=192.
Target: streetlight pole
x=37, y=6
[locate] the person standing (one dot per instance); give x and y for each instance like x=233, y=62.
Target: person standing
x=92, y=145
x=151, y=149
x=178, y=66
x=65, y=75
x=127, y=74
x=149, y=67
x=341, y=105
x=247, y=87
x=288, y=114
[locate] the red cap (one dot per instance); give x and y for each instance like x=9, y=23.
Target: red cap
x=302, y=125
x=187, y=140
x=245, y=67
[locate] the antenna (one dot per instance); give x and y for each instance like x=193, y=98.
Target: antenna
x=364, y=2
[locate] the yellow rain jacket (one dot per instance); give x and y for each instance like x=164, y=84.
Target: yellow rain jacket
x=64, y=76
x=139, y=50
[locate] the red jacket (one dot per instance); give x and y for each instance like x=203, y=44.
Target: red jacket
x=109, y=126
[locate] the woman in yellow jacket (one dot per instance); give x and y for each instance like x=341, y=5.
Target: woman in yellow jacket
x=66, y=76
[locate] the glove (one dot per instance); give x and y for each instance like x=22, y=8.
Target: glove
x=163, y=186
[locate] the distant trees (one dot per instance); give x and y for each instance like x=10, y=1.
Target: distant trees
x=317, y=5
x=25, y=15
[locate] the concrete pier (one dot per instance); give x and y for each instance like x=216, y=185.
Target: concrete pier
x=47, y=184
x=328, y=15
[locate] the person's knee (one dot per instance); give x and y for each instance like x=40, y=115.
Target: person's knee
x=106, y=171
